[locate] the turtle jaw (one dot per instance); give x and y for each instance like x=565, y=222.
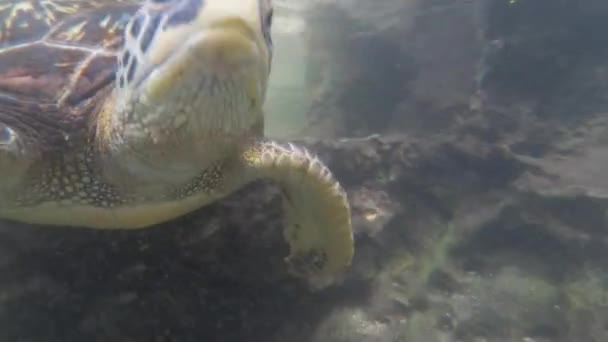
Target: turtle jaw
x=220, y=64
x=213, y=85
x=224, y=49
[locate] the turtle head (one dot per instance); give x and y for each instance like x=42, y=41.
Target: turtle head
x=201, y=65
x=191, y=71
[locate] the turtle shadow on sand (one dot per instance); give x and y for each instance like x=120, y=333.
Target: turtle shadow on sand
x=216, y=272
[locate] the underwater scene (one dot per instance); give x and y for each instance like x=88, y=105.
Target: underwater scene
x=304, y=170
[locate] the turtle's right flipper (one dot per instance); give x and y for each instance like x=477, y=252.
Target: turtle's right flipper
x=317, y=212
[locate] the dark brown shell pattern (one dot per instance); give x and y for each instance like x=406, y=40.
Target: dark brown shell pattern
x=59, y=52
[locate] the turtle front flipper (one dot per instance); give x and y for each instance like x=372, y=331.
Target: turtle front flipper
x=318, y=224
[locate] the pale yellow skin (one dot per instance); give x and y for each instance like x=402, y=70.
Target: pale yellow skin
x=183, y=130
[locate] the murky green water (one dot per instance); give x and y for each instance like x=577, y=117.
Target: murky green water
x=289, y=94
x=470, y=137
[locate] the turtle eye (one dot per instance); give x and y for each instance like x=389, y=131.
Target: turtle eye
x=7, y=135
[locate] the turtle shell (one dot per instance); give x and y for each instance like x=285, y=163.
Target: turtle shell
x=60, y=51
x=57, y=66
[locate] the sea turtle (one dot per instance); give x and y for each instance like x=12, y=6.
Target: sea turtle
x=118, y=114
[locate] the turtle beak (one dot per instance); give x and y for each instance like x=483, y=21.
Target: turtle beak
x=223, y=50
x=226, y=45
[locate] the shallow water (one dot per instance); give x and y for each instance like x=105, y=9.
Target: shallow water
x=471, y=137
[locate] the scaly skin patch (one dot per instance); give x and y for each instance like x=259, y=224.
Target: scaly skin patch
x=69, y=190
x=318, y=226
